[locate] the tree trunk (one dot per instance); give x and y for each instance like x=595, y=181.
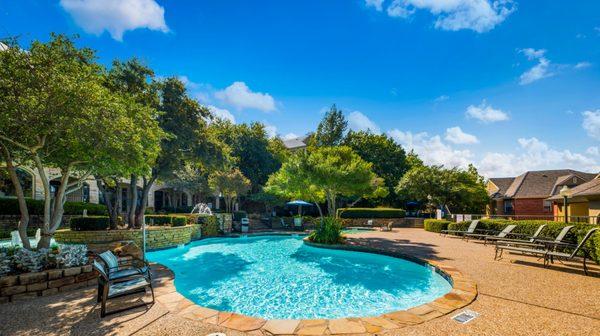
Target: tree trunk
x=108, y=200
x=24, y=222
x=139, y=219
x=331, y=203
x=46, y=235
x=132, y=203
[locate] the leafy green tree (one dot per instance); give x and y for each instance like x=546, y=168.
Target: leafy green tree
x=293, y=181
x=324, y=174
x=388, y=158
x=252, y=151
x=57, y=111
x=458, y=189
x=331, y=129
x=339, y=171
x=230, y=184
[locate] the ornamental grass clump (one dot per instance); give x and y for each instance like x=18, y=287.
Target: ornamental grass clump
x=329, y=231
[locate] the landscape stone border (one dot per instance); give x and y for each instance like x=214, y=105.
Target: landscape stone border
x=464, y=291
x=44, y=283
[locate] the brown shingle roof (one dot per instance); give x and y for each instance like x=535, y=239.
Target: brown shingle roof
x=543, y=183
x=503, y=183
x=590, y=188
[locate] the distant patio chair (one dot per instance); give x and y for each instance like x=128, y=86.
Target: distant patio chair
x=524, y=238
x=370, y=223
x=110, y=289
x=550, y=255
x=470, y=229
x=538, y=247
x=388, y=227
x=506, y=231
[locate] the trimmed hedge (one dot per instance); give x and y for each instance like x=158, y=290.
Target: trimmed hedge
x=5, y=234
x=238, y=215
x=436, y=225
x=10, y=206
x=370, y=213
x=166, y=220
x=528, y=227
x=91, y=223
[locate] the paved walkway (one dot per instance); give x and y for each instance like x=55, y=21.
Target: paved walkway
x=517, y=296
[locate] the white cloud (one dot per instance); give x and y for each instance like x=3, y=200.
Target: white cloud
x=431, y=149
x=221, y=113
x=478, y=15
x=540, y=70
x=240, y=96
x=457, y=136
x=486, y=113
x=594, y=151
x=583, y=65
x=377, y=4
x=360, y=122
x=442, y=98
x=591, y=123
x=116, y=16
x=533, y=54
x=533, y=154
x=289, y=136
x=271, y=130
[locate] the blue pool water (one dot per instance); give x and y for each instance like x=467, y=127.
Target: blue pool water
x=279, y=277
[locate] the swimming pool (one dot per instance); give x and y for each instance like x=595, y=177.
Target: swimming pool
x=279, y=277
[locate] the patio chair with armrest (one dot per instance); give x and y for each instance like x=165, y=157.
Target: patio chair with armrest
x=471, y=229
x=550, y=255
x=485, y=236
x=117, y=272
x=537, y=248
x=111, y=289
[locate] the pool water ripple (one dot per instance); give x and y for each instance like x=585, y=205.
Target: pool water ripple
x=279, y=277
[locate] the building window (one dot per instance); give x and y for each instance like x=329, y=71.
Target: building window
x=508, y=206
x=548, y=206
x=7, y=188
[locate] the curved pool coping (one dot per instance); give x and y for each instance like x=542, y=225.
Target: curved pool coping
x=464, y=291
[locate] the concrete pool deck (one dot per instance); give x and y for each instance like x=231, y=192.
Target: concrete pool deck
x=517, y=296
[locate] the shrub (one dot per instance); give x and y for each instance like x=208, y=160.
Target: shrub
x=5, y=263
x=91, y=223
x=328, y=232
x=181, y=209
x=30, y=261
x=72, y=256
x=209, y=226
x=238, y=215
x=436, y=225
x=370, y=213
x=10, y=206
x=5, y=234
x=166, y=220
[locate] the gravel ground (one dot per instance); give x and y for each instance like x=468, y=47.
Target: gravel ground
x=517, y=296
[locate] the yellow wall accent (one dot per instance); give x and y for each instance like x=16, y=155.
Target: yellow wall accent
x=575, y=209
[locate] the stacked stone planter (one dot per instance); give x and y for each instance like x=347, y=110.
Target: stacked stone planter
x=157, y=237
x=31, y=285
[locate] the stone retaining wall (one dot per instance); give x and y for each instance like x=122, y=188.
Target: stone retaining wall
x=157, y=237
x=378, y=222
x=31, y=285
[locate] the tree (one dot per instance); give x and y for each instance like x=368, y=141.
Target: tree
x=293, y=181
x=339, y=171
x=57, y=111
x=388, y=158
x=231, y=184
x=458, y=189
x=331, y=129
x=252, y=151
x=324, y=174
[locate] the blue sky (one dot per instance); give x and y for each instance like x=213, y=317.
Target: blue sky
x=506, y=85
